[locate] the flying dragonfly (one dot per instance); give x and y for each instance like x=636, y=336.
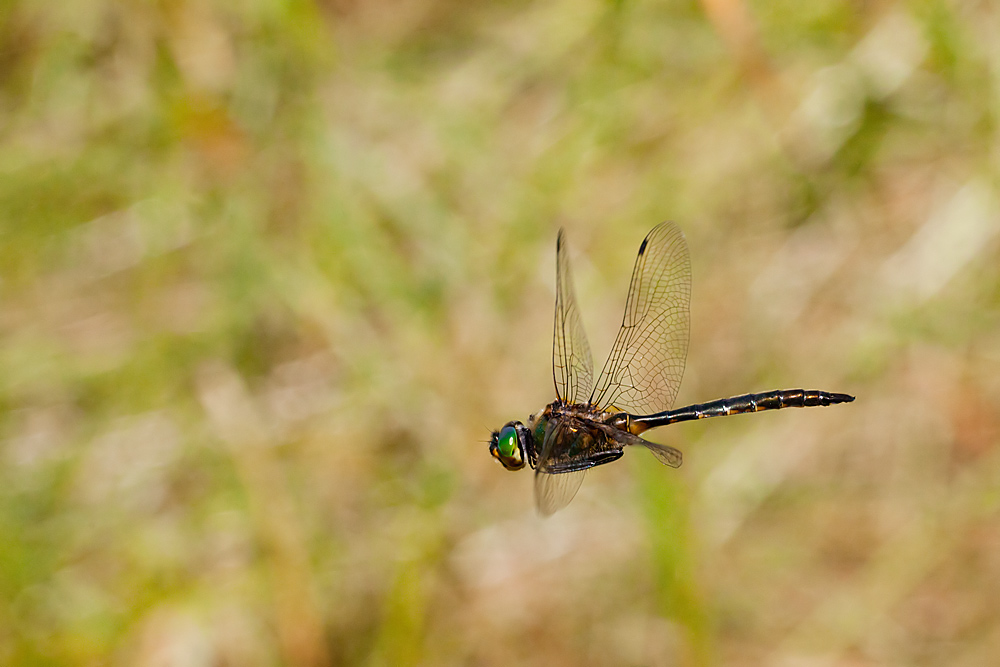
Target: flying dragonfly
x=591, y=423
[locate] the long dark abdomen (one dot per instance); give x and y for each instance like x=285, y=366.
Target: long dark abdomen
x=768, y=400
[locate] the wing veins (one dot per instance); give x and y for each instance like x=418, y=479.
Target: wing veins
x=572, y=363
x=643, y=371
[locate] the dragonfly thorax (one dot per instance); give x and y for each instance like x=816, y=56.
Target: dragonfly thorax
x=516, y=444
x=561, y=410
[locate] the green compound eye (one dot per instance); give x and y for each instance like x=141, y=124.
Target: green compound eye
x=507, y=443
x=507, y=447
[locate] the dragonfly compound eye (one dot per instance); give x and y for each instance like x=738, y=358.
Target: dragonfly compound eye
x=507, y=448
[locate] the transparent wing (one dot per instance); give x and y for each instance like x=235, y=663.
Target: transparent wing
x=646, y=364
x=554, y=491
x=572, y=364
x=666, y=454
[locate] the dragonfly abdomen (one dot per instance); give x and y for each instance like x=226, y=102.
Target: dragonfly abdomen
x=768, y=400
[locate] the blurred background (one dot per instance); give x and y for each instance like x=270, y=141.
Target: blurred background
x=270, y=272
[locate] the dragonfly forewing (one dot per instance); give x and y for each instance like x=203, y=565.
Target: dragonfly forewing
x=572, y=363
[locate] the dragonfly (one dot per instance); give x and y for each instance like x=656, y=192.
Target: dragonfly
x=591, y=423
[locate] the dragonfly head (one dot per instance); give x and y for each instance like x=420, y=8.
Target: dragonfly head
x=509, y=444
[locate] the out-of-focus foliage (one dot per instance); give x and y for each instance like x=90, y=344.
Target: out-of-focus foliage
x=269, y=272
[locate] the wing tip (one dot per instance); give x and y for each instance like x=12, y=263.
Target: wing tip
x=665, y=454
